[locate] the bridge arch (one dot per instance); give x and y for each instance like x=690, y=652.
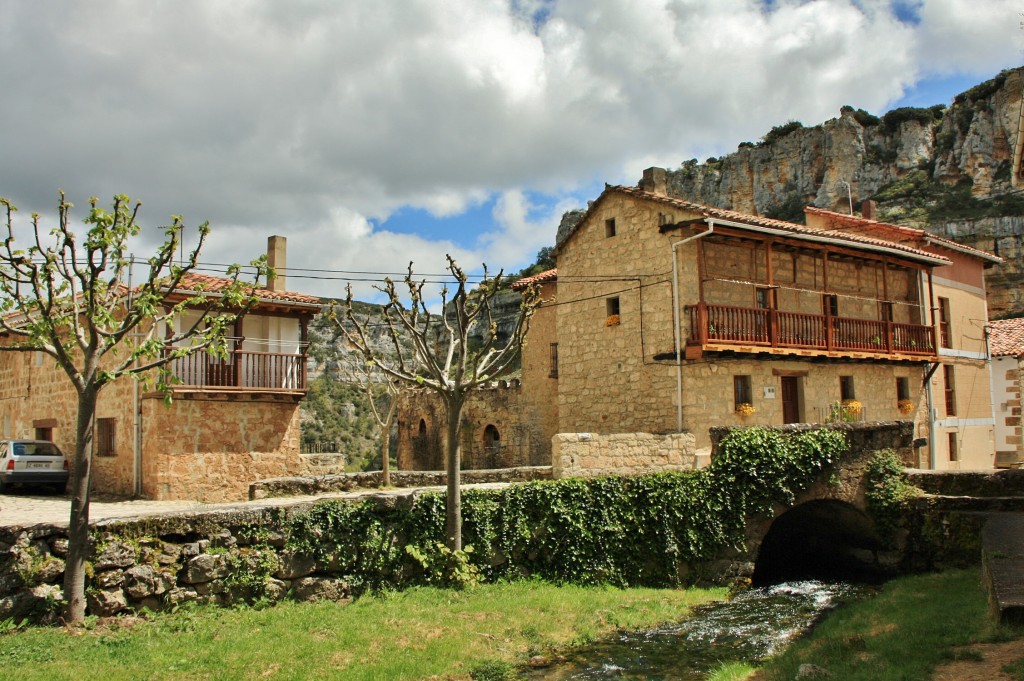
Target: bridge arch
x=825, y=539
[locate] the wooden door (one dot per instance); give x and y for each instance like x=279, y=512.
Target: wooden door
x=791, y=399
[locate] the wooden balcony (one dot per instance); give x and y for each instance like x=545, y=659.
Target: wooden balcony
x=721, y=325
x=241, y=370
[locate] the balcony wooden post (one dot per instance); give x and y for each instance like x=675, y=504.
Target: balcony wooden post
x=702, y=321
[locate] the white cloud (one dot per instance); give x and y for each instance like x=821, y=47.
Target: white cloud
x=318, y=119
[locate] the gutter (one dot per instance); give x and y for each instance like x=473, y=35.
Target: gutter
x=676, y=321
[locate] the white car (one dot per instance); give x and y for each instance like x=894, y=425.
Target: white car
x=32, y=462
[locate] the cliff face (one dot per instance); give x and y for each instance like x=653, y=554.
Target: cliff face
x=940, y=168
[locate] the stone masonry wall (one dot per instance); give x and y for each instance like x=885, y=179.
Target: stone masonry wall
x=591, y=454
x=211, y=451
x=523, y=433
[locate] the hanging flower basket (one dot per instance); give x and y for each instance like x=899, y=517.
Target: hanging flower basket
x=745, y=409
x=906, y=406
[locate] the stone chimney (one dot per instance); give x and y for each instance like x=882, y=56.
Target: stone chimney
x=654, y=181
x=277, y=260
x=868, y=210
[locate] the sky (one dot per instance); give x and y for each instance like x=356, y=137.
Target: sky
x=372, y=134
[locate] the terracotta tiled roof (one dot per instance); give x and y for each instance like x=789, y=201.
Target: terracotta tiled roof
x=1006, y=337
x=900, y=233
x=854, y=240
x=541, y=278
x=194, y=282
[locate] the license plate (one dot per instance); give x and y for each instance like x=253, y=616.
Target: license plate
x=38, y=464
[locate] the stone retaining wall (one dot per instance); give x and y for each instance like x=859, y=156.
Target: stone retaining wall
x=159, y=562
x=591, y=454
x=326, y=484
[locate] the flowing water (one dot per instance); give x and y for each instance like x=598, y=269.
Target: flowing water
x=754, y=625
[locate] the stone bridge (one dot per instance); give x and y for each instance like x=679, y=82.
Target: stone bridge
x=828, y=532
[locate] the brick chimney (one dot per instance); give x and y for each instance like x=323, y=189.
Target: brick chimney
x=654, y=181
x=868, y=210
x=277, y=259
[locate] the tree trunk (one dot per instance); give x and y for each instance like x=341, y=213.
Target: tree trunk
x=385, y=455
x=453, y=500
x=78, y=524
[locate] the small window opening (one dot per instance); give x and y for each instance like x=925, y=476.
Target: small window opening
x=954, y=452
x=105, y=437
x=763, y=298
x=609, y=227
x=846, y=391
x=44, y=434
x=950, y=389
x=945, y=328
x=553, y=360
x=742, y=394
x=423, y=428
x=902, y=389
x=612, y=311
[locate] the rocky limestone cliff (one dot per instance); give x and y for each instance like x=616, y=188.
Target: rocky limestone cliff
x=956, y=171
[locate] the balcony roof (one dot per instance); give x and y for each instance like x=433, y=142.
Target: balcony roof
x=762, y=224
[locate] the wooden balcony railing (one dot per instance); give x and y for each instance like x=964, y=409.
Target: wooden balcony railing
x=725, y=324
x=241, y=370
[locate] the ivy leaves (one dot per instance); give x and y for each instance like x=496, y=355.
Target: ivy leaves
x=638, y=530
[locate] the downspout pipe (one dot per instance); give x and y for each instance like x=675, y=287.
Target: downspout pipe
x=676, y=321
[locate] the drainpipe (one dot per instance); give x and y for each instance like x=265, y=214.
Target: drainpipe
x=932, y=455
x=676, y=321
x=136, y=409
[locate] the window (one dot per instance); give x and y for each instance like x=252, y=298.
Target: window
x=846, y=391
x=553, y=360
x=741, y=391
x=763, y=298
x=44, y=434
x=612, y=310
x=885, y=311
x=902, y=389
x=105, y=437
x=609, y=227
x=945, y=330
x=830, y=304
x=954, y=453
x=950, y=388
x=422, y=429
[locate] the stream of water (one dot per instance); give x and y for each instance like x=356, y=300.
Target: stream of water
x=756, y=624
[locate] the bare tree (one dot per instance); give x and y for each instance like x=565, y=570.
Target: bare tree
x=381, y=390
x=66, y=296
x=434, y=352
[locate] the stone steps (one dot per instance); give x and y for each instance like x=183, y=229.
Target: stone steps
x=946, y=502
x=1002, y=558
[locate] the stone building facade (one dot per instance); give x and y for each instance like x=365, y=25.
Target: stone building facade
x=229, y=422
x=503, y=425
x=673, y=317
x=1006, y=340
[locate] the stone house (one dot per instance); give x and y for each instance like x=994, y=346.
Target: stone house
x=672, y=317
x=229, y=422
x=1006, y=343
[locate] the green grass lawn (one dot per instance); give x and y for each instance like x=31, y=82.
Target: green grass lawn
x=420, y=633
x=915, y=624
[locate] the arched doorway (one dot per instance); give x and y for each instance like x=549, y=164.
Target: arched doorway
x=492, y=446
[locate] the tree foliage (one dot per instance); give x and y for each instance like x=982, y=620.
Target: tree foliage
x=67, y=295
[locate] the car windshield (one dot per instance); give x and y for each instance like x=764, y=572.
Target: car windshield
x=36, y=449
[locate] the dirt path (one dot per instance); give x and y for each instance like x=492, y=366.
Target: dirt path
x=981, y=662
